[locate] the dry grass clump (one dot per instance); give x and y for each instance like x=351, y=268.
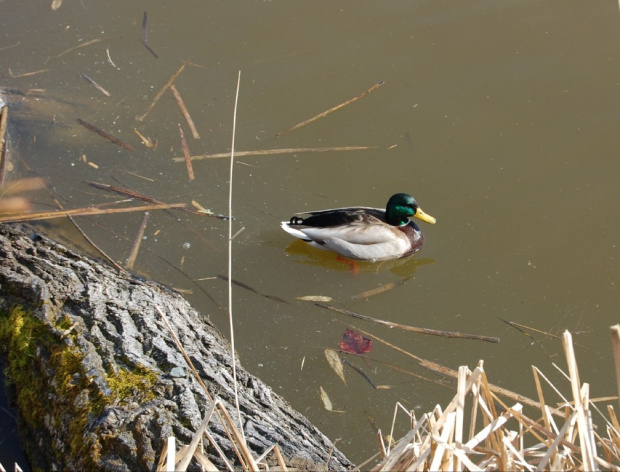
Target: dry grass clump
x=477, y=431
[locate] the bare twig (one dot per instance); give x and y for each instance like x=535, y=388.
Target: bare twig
x=145, y=38
x=432, y=332
x=4, y=116
x=183, y=108
x=46, y=215
x=188, y=161
x=331, y=110
x=106, y=135
x=95, y=84
x=265, y=152
x=163, y=90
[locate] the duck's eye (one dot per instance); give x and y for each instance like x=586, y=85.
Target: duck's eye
x=296, y=220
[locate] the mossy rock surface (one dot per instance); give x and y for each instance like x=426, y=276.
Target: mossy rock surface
x=97, y=380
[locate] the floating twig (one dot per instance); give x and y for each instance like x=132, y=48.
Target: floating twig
x=188, y=161
x=122, y=191
x=266, y=152
x=95, y=84
x=359, y=371
x=432, y=332
x=380, y=289
x=106, y=135
x=4, y=116
x=145, y=39
x=88, y=211
x=133, y=254
x=251, y=289
x=25, y=74
x=327, y=112
x=83, y=45
x=183, y=108
x=146, y=141
x=162, y=90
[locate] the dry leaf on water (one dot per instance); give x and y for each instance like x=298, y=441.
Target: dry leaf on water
x=327, y=403
x=335, y=363
x=354, y=342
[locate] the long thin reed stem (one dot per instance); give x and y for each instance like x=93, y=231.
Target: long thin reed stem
x=230, y=220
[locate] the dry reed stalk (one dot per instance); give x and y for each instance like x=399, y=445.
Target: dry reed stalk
x=106, y=135
x=433, y=441
x=230, y=278
x=183, y=108
x=133, y=254
x=266, y=152
x=4, y=116
x=432, y=332
x=163, y=90
x=615, y=343
x=331, y=110
x=89, y=211
x=188, y=161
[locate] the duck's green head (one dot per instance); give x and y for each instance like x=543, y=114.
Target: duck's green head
x=401, y=206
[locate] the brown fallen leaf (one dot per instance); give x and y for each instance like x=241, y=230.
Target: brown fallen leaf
x=335, y=363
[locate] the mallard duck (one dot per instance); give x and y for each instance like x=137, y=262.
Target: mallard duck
x=364, y=233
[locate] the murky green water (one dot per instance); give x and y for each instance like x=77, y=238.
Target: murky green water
x=501, y=118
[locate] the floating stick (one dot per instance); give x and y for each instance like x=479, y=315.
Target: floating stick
x=4, y=116
x=144, y=37
x=265, y=152
x=432, y=332
x=89, y=211
x=325, y=113
x=122, y=191
x=163, y=89
x=188, y=161
x=95, y=84
x=190, y=122
x=133, y=254
x=25, y=74
x=106, y=135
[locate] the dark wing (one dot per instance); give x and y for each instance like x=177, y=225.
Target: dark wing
x=339, y=217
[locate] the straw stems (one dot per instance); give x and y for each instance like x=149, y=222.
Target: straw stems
x=508, y=439
x=615, y=340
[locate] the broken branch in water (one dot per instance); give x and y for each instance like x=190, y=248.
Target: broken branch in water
x=327, y=112
x=145, y=39
x=183, y=108
x=45, y=215
x=188, y=161
x=265, y=152
x=106, y=135
x=162, y=90
x=95, y=84
x=432, y=332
